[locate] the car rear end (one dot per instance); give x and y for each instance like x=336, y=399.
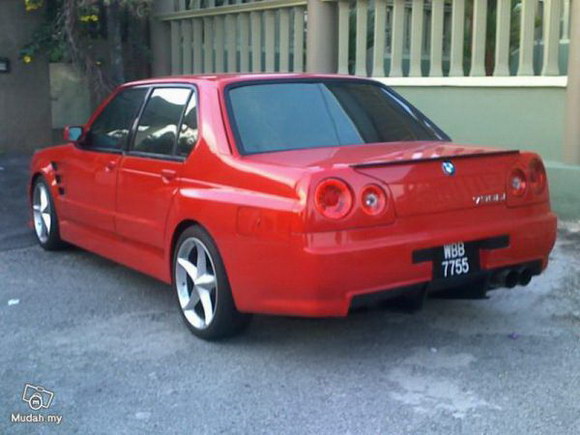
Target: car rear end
x=411, y=227
x=404, y=211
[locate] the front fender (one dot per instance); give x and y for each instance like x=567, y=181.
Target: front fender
x=42, y=165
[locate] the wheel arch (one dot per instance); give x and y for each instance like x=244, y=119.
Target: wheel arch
x=177, y=231
x=46, y=176
x=35, y=176
x=42, y=167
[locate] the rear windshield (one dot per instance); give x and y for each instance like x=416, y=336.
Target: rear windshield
x=296, y=115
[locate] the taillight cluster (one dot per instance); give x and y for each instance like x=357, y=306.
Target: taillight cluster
x=373, y=200
x=334, y=199
x=518, y=183
x=538, y=178
x=531, y=178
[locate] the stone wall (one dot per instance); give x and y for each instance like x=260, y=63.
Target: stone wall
x=25, y=114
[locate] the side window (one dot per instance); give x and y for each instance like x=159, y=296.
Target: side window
x=188, y=131
x=157, y=129
x=111, y=128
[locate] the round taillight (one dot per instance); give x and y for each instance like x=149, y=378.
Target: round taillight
x=537, y=176
x=373, y=200
x=333, y=198
x=517, y=182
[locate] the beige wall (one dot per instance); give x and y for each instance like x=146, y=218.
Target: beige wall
x=25, y=118
x=527, y=118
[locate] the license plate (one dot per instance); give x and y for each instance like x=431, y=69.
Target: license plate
x=455, y=260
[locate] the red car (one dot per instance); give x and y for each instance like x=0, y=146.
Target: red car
x=289, y=194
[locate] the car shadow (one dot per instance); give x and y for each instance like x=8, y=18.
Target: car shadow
x=386, y=324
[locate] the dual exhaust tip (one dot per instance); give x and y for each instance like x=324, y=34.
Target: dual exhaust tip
x=511, y=277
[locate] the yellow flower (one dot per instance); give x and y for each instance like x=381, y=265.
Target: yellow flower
x=32, y=5
x=27, y=59
x=88, y=18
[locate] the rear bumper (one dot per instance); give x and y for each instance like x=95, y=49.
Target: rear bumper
x=472, y=286
x=320, y=274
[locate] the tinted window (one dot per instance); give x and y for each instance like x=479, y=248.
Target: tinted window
x=112, y=126
x=282, y=116
x=188, y=130
x=157, y=129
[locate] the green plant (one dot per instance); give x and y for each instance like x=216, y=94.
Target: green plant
x=32, y=5
x=95, y=35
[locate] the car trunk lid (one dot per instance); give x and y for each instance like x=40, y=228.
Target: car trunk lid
x=432, y=184
x=414, y=171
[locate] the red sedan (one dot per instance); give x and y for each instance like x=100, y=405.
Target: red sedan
x=289, y=194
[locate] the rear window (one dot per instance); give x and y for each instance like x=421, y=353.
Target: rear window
x=296, y=115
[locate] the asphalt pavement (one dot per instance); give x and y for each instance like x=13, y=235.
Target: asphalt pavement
x=14, y=230
x=109, y=344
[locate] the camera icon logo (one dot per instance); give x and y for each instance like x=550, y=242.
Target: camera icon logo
x=37, y=397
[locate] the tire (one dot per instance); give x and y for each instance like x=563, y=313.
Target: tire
x=44, y=218
x=202, y=287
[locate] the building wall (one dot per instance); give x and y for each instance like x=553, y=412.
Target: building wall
x=25, y=115
x=529, y=118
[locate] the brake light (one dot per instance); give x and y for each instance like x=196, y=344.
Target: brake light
x=517, y=182
x=333, y=198
x=373, y=200
x=537, y=176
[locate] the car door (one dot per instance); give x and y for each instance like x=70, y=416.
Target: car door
x=90, y=170
x=150, y=170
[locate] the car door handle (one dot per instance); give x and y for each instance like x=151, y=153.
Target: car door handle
x=167, y=175
x=111, y=165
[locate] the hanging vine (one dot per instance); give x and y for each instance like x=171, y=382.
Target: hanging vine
x=104, y=39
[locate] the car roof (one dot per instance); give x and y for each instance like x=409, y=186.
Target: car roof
x=223, y=79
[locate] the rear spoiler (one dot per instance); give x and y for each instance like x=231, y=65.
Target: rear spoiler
x=431, y=159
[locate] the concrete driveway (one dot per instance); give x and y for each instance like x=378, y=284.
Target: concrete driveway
x=110, y=345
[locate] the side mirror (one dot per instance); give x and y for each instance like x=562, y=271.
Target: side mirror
x=73, y=134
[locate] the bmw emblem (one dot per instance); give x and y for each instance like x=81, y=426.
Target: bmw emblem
x=448, y=168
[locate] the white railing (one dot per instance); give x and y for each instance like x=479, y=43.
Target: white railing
x=452, y=37
x=236, y=36
x=394, y=38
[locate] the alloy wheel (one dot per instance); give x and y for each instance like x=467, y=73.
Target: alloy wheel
x=41, y=209
x=196, y=282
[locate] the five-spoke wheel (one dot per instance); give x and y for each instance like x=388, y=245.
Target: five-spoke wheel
x=196, y=283
x=44, y=216
x=202, y=287
x=41, y=208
